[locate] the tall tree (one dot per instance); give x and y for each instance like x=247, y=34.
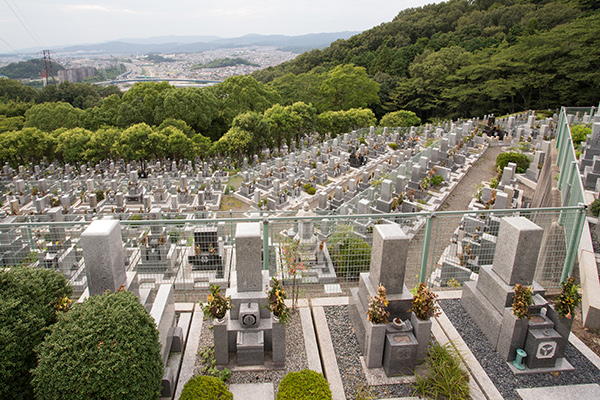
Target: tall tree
x=51, y=116
x=196, y=106
x=348, y=87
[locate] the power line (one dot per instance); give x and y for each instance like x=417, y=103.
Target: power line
x=6, y=43
x=23, y=15
x=24, y=26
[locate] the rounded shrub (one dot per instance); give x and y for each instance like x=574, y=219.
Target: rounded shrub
x=520, y=159
x=105, y=348
x=311, y=190
x=205, y=388
x=29, y=300
x=306, y=385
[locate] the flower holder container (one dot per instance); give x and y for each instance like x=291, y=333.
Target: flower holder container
x=422, y=332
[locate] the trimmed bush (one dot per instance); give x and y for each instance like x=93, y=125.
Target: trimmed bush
x=105, y=348
x=305, y=385
x=311, y=190
x=520, y=159
x=29, y=299
x=205, y=388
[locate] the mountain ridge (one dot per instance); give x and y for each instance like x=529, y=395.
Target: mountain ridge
x=163, y=44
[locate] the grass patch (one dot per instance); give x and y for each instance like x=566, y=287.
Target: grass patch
x=236, y=181
x=445, y=379
x=230, y=203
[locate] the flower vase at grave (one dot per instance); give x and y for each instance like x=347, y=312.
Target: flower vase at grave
x=278, y=343
x=562, y=325
x=374, y=344
x=221, y=341
x=422, y=331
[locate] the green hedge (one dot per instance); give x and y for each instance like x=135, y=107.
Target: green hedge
x=28, y=302
x=520, y=159
x=205, y=388
x=305, y=385
x=105, y=348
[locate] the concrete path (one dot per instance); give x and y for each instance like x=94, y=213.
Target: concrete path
x=574, y=392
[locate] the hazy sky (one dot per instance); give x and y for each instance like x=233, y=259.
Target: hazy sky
x=48, y=23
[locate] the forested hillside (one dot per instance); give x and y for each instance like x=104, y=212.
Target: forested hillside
x=27, y=69
x=467, y=58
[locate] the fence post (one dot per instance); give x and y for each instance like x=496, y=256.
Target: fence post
x=573, y=242
x=266, y=243
x=425, y=253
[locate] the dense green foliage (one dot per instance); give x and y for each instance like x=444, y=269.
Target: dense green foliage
x=29, y=69
x=105, y=348
x=579, y=133
x=205, y=388
x=520, y=159
x=467, y=58
x=225, y=62
x=350, y=254
x=28, y=305
x=400, y=118
x=306, y=385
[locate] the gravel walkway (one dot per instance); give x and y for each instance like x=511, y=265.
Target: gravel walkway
x=482, y=170
x=295, y=355
x=504, y=380
x=347, y=352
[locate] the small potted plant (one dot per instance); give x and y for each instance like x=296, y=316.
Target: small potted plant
x=377, y=312
x=216, y=305
x=276, y=297
x=521, y=301
x=424, y=306
x=561, y=313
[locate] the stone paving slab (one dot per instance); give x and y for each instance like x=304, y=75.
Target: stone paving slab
x=332, y=372
x=254, y=391
x=572, y=392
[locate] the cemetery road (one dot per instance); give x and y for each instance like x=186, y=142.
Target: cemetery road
x=483, y=170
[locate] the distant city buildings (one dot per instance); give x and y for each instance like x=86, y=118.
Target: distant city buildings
x=75, y=74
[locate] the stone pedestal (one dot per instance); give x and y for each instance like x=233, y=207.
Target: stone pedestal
x=251, y=347
x=400, y=354
x=541, y=347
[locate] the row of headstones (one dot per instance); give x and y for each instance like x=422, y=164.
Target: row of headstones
x=589, y=162
x=166, y=192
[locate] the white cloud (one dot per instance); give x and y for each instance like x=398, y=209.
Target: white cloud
x=96, y=7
